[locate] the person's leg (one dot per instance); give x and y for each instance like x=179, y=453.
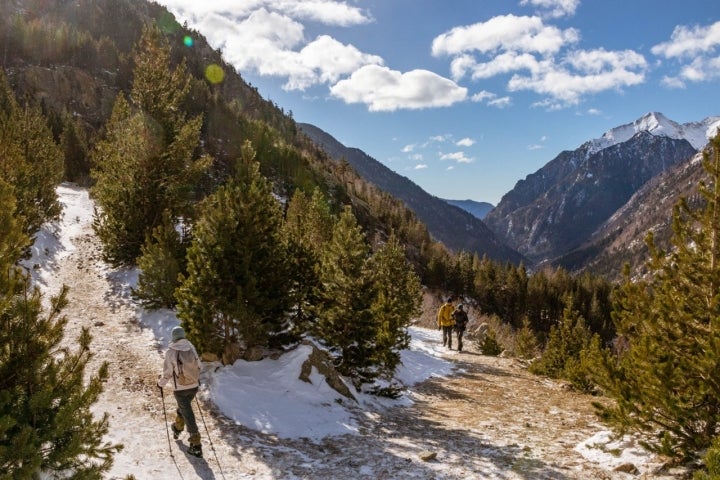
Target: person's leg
x=184, y=400
x=448, y=332
x=459, y=339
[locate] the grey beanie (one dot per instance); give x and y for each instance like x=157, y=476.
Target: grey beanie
x=177, y=334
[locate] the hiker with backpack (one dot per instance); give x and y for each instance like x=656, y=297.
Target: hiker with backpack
x=461, y=321
x=445, y=322
x=182, y=371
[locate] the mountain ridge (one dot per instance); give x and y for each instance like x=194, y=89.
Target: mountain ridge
x=556, y=209
x=458, y=229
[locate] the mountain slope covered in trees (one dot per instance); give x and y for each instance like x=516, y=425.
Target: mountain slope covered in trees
x=455, y=227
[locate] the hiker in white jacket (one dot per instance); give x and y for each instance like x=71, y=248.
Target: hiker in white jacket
x=181, y=371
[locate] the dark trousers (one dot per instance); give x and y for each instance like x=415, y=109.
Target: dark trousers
x=459, y=338
x=447, y=336
x=184, y=400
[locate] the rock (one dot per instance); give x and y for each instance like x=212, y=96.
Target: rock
x=321, y=361
x=627, y=468
x=209, y=357
x=253, y=354
x=427, y=456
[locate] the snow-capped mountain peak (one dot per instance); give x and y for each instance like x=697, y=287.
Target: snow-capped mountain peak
x=655, y=123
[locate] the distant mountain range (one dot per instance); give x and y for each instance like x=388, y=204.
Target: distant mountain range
x=478, y=209
x=587, y=209
x=558, y=209
x=455, y=227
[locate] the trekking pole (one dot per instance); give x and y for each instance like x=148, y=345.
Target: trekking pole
x=212, y=447
x=167, y=430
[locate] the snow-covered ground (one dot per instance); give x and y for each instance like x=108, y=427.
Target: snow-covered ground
x=264, y=421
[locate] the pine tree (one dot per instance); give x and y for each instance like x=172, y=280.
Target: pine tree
x=146, y=165
x=526, y=343
x=74, y=144
x=563, y=354
x=307, y=228
x=236, y=288
x=13, y=241
x=397, y=298
x=46, y=423
x=345, y=322
x=32, y=163
x=666, y=383
x=162, y=261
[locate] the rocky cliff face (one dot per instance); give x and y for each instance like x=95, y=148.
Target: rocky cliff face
x=556, y=209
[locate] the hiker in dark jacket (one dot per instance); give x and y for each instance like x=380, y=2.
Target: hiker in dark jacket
x=461, y=321
x=184, y=391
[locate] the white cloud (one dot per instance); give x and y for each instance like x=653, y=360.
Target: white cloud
x=535, y=147
x=491, y=99
x=583, y=72
x=325, y=60
x=554, y=8
x=501, y=102
x=508, y=32
x=420, y=166
x=482, y=96
x=383, y=89
x=699, y=46
x=539, y=58
x=465, y=142
x=329, y=12
x=688, y=42
x=458, y=157
x=594, y=111
x=408, y=148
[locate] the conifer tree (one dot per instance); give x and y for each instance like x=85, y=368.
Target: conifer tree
x=568, y=342
x=236, y=288
x=161, y=263
x=32, y=163
x=46, y=424
x=665, y=382
x=345, y=320
x=307, y=228
x=146, y=164
x=74, y=144
x=13, y=241
x=397, y=297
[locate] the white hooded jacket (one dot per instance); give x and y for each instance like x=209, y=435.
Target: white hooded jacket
x=170, y=368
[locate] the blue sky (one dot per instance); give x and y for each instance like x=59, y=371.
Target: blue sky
x=466, y=97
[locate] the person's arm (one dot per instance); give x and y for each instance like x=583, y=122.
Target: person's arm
x=168, y=368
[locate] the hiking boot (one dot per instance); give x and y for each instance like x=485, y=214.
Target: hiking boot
x=176, y=432
x=195, y=450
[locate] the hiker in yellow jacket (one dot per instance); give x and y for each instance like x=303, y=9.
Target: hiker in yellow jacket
x=445, y=321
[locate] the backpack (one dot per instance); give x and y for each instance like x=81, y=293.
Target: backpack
x=461, y=319
x=188, y=368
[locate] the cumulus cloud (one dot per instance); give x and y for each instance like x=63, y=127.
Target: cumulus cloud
x=507, y=32
x=537, y=57
x=267, y=37
x=458, y=157
x=697, y=49
x=554, y=8
x=383, y=89
x=491, y=99
x=465, y=142
x=420, y=166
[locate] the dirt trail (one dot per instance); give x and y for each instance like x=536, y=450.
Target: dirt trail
x=491, y=420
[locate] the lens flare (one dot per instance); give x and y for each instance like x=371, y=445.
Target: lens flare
x=214, y=73
x=188, y=41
